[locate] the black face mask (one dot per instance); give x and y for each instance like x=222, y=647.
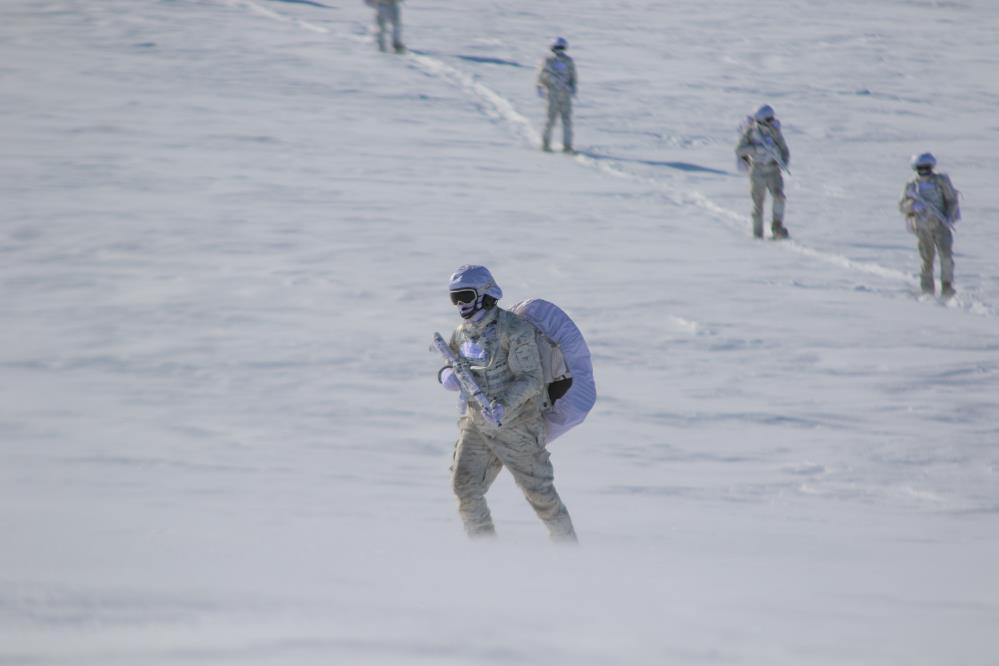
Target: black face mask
x=924, y=171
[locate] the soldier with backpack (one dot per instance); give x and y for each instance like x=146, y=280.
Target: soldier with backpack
x=930, y=205
x=763, y=149
x=557, y=84
x=497, y=352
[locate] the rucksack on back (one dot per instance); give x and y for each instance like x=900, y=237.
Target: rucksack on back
x=565, y=363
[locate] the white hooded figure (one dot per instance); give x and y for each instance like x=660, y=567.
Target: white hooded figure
x=930, y=205
x=557, y=84
x=387, y=12
x=500, y=350
x=763, y=148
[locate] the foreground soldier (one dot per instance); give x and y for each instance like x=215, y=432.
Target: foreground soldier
x=929, y=203
x=387, y=11
x=557, y=83
x=500, y=350
x=763, y=148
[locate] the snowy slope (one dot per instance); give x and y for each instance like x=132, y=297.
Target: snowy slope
x=226, y=234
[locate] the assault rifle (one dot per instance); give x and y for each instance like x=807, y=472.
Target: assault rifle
x=774, y=152
x=913, y=193
x=467, y=380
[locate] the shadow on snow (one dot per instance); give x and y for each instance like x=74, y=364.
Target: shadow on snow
x=481, y=60
x=682, y=166
x=311, y=3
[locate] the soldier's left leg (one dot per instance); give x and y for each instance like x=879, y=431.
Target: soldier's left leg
x=521, y=449
x=945, y=245
x=546, y=135
x=927, y=252
x=758, y=192
x=382, y=18
x=776, y=186
x=396, y=29
x=566, y=109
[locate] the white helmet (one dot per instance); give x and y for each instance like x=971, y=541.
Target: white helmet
x=475, y=277
x=560, y=44
x=764, y=113
x=470, y=287
x=923, y=161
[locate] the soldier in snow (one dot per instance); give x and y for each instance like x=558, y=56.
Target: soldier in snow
x=557, y=83
x=930, y=205
x=500, y=350
x=763, y=149
x=387, y=11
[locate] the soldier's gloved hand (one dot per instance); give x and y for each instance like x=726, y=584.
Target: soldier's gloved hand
x=448, y=379
x=918, y=206
x=497, y=410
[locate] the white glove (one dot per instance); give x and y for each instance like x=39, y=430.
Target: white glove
x=497, y=410
x=449, y=379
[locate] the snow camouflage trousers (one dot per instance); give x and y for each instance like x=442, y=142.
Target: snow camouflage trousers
x=479, y=455
x=559, y=106
x=934, y=236
x=388, y=12
x=764, y=178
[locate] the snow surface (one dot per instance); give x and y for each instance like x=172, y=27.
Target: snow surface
x=226, y=231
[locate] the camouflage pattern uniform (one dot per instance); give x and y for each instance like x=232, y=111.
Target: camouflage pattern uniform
x=558, y=80
x=932, y=225
x=755, y=146
x=388, y=12
x=502, y=351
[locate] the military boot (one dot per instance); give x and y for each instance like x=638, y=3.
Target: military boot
x=779, y=230
x=947, y=290
x=926, y=284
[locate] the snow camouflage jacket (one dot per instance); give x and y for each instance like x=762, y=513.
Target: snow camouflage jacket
x=757, y=142
x=558, y=74
x=938, y=195
x=503, y=355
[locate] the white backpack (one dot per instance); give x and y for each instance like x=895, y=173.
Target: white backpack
x=565, y=362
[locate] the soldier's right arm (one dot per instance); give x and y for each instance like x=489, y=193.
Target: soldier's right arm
x=905, y=203
x=543, y=74
x=745, y=148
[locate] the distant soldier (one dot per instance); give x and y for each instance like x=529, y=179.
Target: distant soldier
x=387, y=11
x=557, y=83
x=929, y=203
x=763, y=149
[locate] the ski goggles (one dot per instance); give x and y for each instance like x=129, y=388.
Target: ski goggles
x=463, y=296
